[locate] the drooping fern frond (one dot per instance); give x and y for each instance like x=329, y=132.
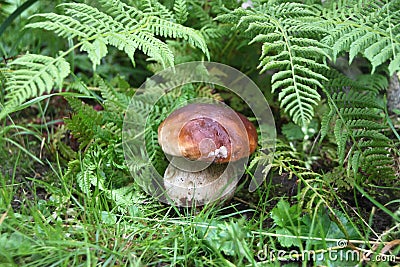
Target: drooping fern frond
x=290, y=34
x=125, y=27
x=370, y=29
x=32, y=75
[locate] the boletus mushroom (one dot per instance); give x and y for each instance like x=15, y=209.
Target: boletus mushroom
x=206, y=145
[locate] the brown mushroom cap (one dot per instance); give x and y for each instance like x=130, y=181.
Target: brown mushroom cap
x=207, y=132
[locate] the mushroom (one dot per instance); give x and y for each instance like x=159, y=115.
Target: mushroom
x=206, y=145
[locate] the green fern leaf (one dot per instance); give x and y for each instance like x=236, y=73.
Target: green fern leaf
x=292, y=47
x=172, y=30
x=355, y=160
x=370, y=134
x=357, y=100
x=180, y=9
x=153, y=7
x=326, y=123
x=365, y=124
x=341, y=139
x=363, y=144
x=116, y=101
x=359, y=131
x=125, y=27
x=394, y=65
x=85, y=124
x=359, y=113
x=369, y=28
x=360, y=44
x=32, y=75
x=86, y=177
x=96, y=50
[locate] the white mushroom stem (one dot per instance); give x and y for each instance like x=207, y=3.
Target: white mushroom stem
x=200, y=188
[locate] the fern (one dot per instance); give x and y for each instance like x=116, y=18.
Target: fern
x=116, y=24
x=101, y=167
x=124, y=27
x=116, y=101
x=338, y=82
x=153, y=7
x=87, y=176
x=369, y=28
x=181, y=13
x=289, y=33
x=202, y=17
x=60, y=146
x=32, y=75
x=356, y=119
x=85, y=123
x=100, y=136
x=287, y=163
x=143, y=111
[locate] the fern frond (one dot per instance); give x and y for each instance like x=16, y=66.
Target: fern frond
x=326, y=122
x=371, y=30
x=356, y=118
x=153, y=7
x=394, y=64
x=337, y=82
x=85, y=123
x=32, y=75
x=357, y=99
x=359, y=113
x=286, y=160
x=292, y=47
x=365, y=124
x=180, y=9
x=124, y=27
x=87, y=176
x=172, y=30
x=116, y=101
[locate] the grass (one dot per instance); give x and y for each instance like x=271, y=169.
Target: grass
x=46, y=221
x=307, y=206
x=69, y=228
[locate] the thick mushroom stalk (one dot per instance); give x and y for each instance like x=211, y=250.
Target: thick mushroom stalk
x=206, y=145
x=217, y=182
